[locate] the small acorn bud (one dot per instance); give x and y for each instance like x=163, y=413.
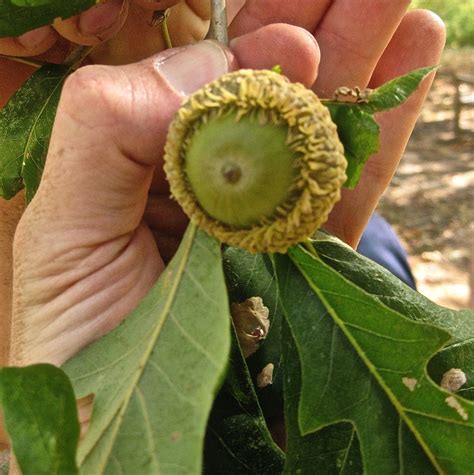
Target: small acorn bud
x=255, y=160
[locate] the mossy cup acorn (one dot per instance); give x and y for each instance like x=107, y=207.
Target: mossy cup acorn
x=255, y=161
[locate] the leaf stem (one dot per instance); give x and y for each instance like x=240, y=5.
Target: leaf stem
x=160, y=17
x=165, y=31
x=18, y=59
x=309, y=246
x=218, y=27
x=77, y=56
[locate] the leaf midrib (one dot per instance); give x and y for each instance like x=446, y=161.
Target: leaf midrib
x=142, y=362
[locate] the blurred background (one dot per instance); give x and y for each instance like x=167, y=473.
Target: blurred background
x=431, y=200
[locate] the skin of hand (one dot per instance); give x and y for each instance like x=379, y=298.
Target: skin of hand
x=122, y=33
x=99, y=249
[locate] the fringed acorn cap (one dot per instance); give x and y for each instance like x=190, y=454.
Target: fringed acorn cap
x=255, y=161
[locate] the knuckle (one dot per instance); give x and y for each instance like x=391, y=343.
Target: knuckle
x=156, y=4
x=94, y=91
x=88, y=82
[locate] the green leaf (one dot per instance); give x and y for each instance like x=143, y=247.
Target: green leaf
x=25, y=128
x=357, y=128
x=238, y=440
x=395, y=92
x=359, y=133
x=41, y=418
x=390, y=290
x=365, y=363
x=19, y=16
x=361, y=402
x=155, y=376
x=333, y=449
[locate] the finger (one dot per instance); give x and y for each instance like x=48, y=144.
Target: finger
x=163, y=214
x=10, y=213
x=418, y=42
x=95, y=25
x=156, y=5
x=233, y=8
x=267, y=46
x=58, y=53
x=33, y=43
x=352, y=37
x=119, y=116
x=257, y=13
x=140, y=37
x=197, y=7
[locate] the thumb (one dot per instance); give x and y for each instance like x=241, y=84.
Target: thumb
x=109, y=135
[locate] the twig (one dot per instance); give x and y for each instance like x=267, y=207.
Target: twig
x=309, y=246
x=18, y=59
x=166, y=33
x=218, y=27
x=74, y=59
x=160, y=18
x=77, y=56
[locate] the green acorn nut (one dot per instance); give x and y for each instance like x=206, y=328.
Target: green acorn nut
x=255, y=161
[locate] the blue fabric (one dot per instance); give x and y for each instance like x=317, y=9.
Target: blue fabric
x=380, y=243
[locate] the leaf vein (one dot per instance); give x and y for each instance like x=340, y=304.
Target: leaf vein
x=189, y=337
x=148, y=428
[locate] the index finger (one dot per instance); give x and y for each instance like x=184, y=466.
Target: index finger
x=33, y=43
x=257, y=13
x=352, y=36
x=418, y=42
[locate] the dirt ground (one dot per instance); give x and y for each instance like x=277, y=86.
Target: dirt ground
x=430, y=202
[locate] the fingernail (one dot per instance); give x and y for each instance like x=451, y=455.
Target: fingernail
x=34, y=38
x=101, y=17
x=197, y=65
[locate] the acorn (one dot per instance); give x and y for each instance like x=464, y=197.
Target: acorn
x=255, y=160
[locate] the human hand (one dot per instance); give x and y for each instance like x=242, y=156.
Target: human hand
x=187, y=23
x=109, y=207
x=101, y=23
x=94, y=256
x=121, y=32
x=137, y=40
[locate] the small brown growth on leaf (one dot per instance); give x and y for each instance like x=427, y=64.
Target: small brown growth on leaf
x=265, y=377
x=410, y=383
x=451, y=401
x=251, y=323
x=84, y=410
x=357, y=95
x=453, y=380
